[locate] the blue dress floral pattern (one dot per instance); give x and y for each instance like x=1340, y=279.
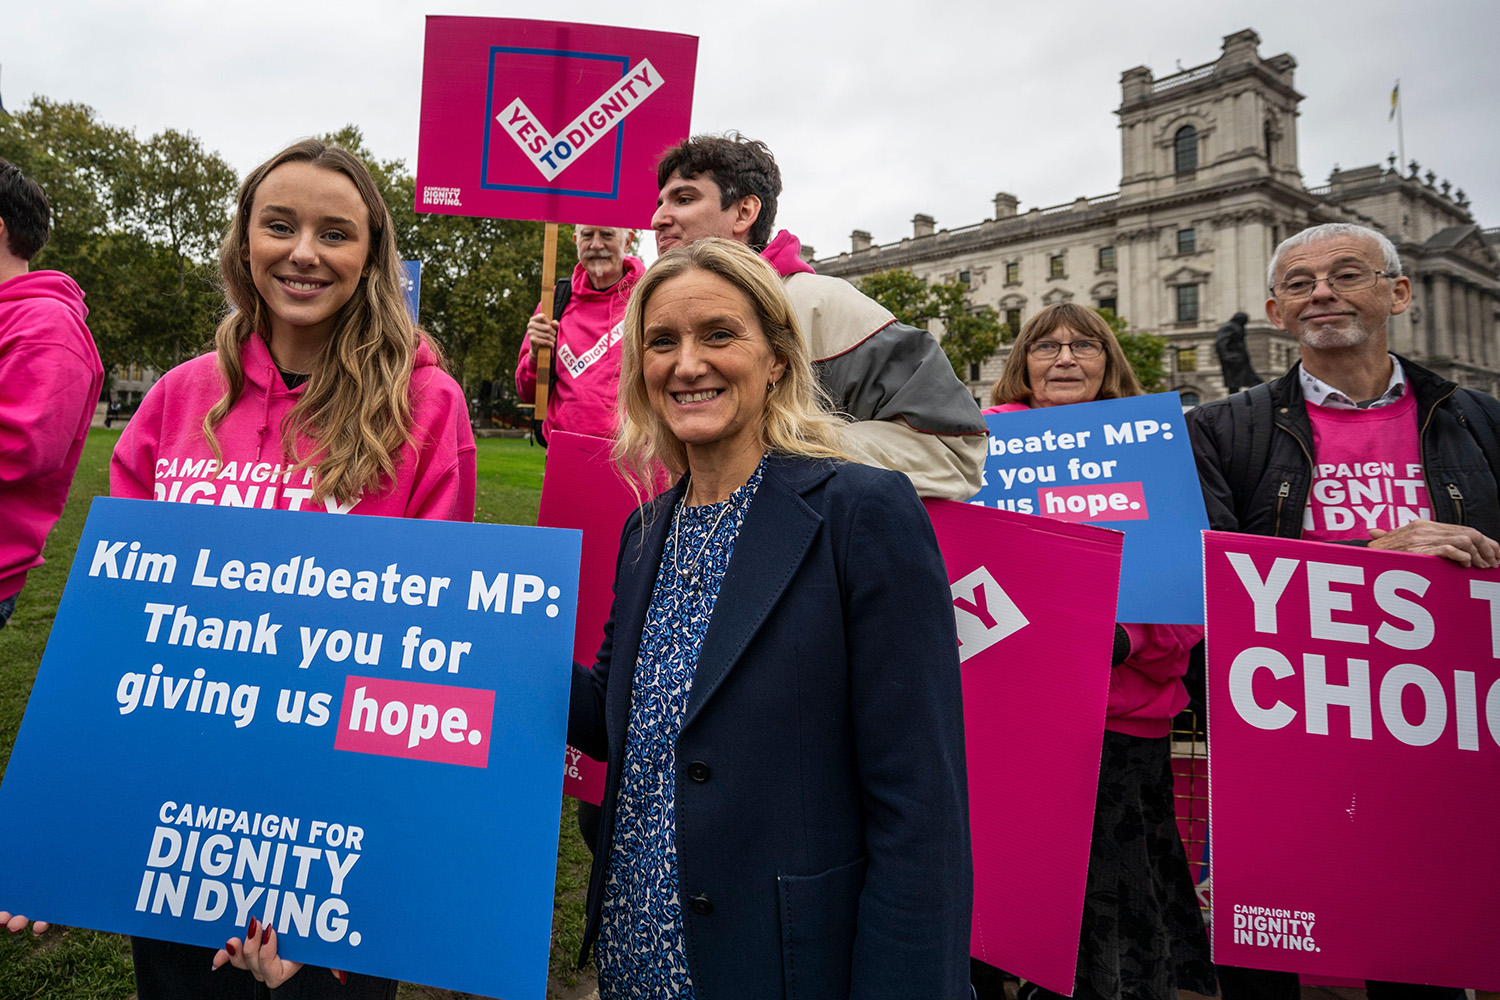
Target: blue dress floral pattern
x=640, y=953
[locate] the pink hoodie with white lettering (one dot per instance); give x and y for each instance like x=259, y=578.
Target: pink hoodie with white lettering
x=50, y=378
x=1146, y=691
x=163, y=454
x=586, y=363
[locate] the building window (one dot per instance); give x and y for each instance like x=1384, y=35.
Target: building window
x=1185, y=150
x=1013, y=320
x=1108, y=303
x=1187, y=303
x=963, y=277
x=973, y=371
x=1106, y=258
x=1013, y=273
x=1056, y=266
x=1187, y=358
x=1189, y=399
x=1187, y=241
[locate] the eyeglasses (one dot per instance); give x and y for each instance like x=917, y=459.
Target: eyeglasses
x=1350, y=279
x=1082, y=350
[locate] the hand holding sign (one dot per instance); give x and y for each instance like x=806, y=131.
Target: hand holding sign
x=16, y=924
x=542, y=331
x=256, y=954
x=1454, y=542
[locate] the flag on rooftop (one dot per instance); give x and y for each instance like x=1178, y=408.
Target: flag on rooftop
x=1395, y=96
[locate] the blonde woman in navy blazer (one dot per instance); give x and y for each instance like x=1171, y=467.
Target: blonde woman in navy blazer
x=778, y=693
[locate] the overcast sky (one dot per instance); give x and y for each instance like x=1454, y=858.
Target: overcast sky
x=876, y=110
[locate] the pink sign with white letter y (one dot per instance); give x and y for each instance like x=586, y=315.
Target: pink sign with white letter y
x=1034, y=601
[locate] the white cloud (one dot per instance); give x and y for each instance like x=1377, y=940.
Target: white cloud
x=876, y=110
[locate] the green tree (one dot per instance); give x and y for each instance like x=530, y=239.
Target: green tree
x=175, y=196
x=1146, y=352
x=136, y=224
x=969, y=334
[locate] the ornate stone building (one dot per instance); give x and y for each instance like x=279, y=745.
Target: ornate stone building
x=1209, y=186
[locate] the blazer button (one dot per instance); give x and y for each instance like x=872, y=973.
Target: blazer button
x=699, y=771
x=700, y=905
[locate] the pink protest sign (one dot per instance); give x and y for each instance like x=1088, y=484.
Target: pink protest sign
x=1354, y=720
x=1035, y=605
x=581, y=489
x=547, y=120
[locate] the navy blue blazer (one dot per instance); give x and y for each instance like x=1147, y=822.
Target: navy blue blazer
x=821, y=795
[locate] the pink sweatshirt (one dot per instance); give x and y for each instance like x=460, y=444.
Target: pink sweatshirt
x=1145, y=691
x=50, y=377
x=586, y=363
x=784, y=253
x=163, y=454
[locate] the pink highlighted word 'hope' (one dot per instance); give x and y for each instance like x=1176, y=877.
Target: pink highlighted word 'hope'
x=1101, y=502
x=433, y=722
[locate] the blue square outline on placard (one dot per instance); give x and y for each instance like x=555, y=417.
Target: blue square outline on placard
x=489, y=118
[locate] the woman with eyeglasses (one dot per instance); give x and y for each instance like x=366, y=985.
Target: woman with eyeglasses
x=1143, y=936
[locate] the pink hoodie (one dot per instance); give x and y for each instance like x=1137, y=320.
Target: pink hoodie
x=1145, y=691
x=586, y=364
x=163, y=454
x=784, y=253
x=50, y=377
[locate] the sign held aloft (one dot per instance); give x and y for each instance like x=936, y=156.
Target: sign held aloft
x=545, y=120
x=1124, y=464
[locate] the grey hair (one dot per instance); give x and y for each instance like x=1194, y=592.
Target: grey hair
x=1329, y=230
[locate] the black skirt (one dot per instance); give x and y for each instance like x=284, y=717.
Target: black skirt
x=1143, y=934
x=166, y=970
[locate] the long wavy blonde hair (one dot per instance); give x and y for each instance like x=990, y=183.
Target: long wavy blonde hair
x=355, y=409
x=797, y=419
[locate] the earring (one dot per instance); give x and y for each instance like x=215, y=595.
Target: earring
x=770, y=386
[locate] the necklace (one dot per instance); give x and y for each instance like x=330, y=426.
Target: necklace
x=737, y=499
x=690, y=571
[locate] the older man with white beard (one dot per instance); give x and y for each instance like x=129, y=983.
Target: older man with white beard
x=583, y=334
x=1277, y=459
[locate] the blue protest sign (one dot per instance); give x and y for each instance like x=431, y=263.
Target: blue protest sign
x=1118, y=463
x=411, y=285
x=346, y=727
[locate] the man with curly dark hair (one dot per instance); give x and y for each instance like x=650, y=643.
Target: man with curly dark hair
x=906, y=408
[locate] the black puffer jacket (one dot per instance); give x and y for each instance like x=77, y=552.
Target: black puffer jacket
x=1254, y=453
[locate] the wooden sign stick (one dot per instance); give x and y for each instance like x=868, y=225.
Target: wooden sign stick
x=544, y=356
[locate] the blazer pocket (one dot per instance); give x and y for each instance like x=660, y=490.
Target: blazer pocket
x=819, y=914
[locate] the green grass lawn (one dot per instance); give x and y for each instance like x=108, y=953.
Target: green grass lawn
x=76, y=963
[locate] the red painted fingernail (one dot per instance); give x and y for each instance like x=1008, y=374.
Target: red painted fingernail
x=250, y=931
x=265, y=935
x=229, y=947
x=343, y=977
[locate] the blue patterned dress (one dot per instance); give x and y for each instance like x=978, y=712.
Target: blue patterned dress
x=640, y=953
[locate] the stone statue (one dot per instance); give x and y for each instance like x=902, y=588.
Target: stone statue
x=1234, y=356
